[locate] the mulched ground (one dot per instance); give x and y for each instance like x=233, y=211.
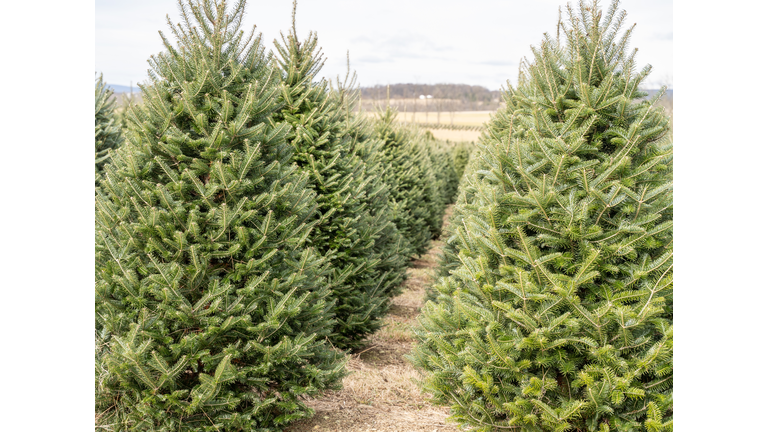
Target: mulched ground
x=381, y=392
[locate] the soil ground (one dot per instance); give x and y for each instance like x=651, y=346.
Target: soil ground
x=381, y=392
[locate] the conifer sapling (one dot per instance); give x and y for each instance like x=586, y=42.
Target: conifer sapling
x=559, y=315
x=347, y=228
x=108, y=133
x=216, y=308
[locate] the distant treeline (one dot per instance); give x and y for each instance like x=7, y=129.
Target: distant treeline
x=445, y=97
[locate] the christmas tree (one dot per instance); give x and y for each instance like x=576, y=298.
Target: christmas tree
x=460, y=154
x=391, y=246
x=464, y=205
x=439, y=168
x=456, y=156
x=559, y=314
x=108, y=133
x=214, y=309
x=414, y=190
x=356, y=235
x=446, y=176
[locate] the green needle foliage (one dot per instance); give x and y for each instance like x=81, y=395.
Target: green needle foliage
x=214, y=310
x=391, y=246
x=359, y=241
x=439, y=167
x=108, y=133
x=415, y=192
x=558, y=315
x=463, y=206
x=447, y=171
x=460, y=154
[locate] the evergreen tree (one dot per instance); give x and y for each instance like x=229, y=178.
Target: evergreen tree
x=559, y=315
x=448, y=259
x=108, y=132
x=438, y=168
x=391, y=246
x=362, y=277
x=216, y=311
x=465, y=166
x=411, y=181
x=445, y=174
x=460, y=154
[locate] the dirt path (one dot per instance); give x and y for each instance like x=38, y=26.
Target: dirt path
x=380, y=393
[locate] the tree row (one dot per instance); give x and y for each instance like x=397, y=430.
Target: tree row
x=250, y=227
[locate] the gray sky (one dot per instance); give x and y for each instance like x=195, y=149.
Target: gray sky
x=477, y=42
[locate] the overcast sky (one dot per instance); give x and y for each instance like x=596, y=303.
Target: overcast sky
x=478, y=42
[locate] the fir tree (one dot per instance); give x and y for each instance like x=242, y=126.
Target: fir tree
x=214, y=307
x=448, y=259
x=362, y=276
x=439, y=169
x=412, y=182
x=391, y=246
x=558, y=316
x=108, y=132
x=447, y=179
x=460, y=155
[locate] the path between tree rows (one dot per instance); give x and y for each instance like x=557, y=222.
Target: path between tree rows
x=381, y=393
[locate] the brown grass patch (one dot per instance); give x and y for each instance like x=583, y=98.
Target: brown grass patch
x=381, y=393
x=456, y=135
x=460, y=118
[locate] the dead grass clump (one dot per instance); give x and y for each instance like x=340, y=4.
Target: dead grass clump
x=395, y=331
x=381, y=392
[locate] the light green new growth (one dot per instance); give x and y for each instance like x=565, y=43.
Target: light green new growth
x=556, y=311
x=214, y=307
x=363, y=246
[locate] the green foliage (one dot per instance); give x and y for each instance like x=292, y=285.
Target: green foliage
x=414, y=190
x=448, y=161
x=460, y=155
x=212, y=313
x=108, y=133
x=439, y=168
x=353, y=232
x=464, y=205
x=557, y=312
x=446, y=177
x=391, y=246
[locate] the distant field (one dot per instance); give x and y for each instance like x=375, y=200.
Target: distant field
x=460, y=118
x=455, y=135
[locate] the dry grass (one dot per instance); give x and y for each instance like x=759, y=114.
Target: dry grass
x=381, y=392
x=456, y=135
x=460, y=118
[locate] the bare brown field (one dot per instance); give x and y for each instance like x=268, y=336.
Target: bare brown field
x=456, y=135
x=381, y=392
x=460, y=118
